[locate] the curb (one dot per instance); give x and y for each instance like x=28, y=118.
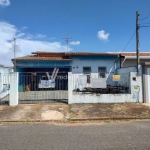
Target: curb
x=74, y=120
x=108, y=118
x=30, y=121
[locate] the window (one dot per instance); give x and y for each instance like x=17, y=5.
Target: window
x=44, y=78
x=87, y=71
x=102, y=72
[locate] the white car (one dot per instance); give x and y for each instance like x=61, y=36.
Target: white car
x=45, y=83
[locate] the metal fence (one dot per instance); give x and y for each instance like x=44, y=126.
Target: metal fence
x=122, y=85
x=4, y=88
x=41, y=88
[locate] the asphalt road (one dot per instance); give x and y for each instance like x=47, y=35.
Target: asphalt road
x=114, y=136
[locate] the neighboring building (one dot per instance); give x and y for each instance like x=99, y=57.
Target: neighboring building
x=5, y=70
x=4, y=77
x=129, y=59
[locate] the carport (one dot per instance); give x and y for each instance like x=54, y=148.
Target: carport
x=32, y=68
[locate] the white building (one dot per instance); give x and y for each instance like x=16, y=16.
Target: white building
x=129, y=59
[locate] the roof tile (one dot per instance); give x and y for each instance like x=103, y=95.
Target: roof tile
x=134, y=54
x=40, y=58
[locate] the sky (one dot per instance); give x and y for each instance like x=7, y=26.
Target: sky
x=92, y=26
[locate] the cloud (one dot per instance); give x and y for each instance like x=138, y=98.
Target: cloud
x=75, y=43
x=23, y=28
x=40, y=36
x=102, y=35
x=26, y=43
x=4, y=2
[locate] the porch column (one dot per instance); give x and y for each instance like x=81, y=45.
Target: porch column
x=69, y=87
x=13, y=99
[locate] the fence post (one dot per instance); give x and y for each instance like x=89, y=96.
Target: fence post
x=1, y=83
x=69, y=87
x=13, y=99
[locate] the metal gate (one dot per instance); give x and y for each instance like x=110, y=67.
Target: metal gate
x=43, y=88
x=4, y=88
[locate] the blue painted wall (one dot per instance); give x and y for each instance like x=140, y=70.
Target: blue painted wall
x=78, y=62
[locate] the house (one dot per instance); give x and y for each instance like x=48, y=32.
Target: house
x=129, y=59
x=76, y=62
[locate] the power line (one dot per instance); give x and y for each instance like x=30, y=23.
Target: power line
x=128, y=42
x=145, y=26
x=145, y=17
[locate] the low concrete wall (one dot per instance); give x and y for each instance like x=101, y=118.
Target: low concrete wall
x=106, y=98
x=100, y=98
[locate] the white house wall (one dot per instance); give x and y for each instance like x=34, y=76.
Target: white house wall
x=132, y=62
x=4, y=77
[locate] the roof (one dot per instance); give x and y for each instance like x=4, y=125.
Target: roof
x=66, y=56
x=75, y=53
x=59, y=56
x=89, y=53
x=134, y=54
x=40, y=58
x=45, y=52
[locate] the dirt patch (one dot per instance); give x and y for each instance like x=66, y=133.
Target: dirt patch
x=52, y=115
x=109, y=110
x=21, y=113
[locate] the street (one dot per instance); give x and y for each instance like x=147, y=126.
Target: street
x=127, y=135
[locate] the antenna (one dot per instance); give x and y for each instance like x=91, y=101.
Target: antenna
x=67, y=39
x=14, y=54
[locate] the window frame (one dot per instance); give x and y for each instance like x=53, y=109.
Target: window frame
x=103, y=67
x=88, y=74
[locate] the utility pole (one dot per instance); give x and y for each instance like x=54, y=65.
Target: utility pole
x=137, y=40
x=14, y=54
x=67, y=39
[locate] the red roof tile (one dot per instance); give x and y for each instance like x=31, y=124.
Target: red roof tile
x=134, y=54
x=40, y=58
x=76, y=53
x=89, y=53
x=45, y=52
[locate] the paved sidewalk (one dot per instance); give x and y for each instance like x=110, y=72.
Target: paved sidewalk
x=35, y=112
x=75, y=112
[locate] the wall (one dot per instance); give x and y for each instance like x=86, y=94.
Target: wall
x=145, y=82
x=135, y=79
x=132, y=62
x=13, y=98
x=4, y=77
x=127, y=69
x=5, y=70
x=78, y=62
x=74, y=97
x=43, y=63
